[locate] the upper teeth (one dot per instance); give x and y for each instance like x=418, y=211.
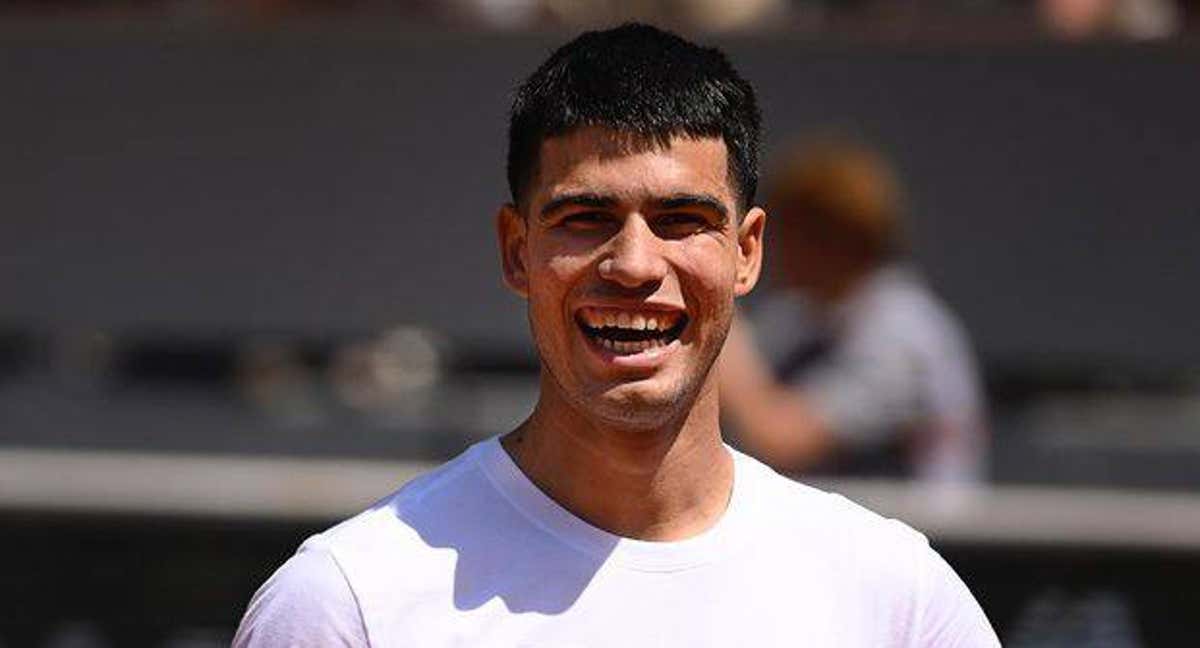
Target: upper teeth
x=638, y=321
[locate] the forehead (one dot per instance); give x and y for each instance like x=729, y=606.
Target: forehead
x=605, y=162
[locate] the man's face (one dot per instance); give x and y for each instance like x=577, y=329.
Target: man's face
x=630, y=258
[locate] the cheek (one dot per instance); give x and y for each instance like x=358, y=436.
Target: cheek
x=708, y=272
x=552, y=277
x=562, y=267
x=560, y=258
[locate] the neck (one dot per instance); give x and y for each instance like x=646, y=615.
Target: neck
x=651, y=483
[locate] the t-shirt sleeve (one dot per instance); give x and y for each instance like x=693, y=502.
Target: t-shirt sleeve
x=948, y=616
x=306, y=602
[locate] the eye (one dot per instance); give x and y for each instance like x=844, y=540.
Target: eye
x=678, y=224
x=586, y=220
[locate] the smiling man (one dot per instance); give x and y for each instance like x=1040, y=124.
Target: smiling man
x=615, y=515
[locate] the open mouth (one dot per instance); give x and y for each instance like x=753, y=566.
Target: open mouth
x=628, y=332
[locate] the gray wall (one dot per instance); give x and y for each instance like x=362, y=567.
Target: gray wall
x=331, y=182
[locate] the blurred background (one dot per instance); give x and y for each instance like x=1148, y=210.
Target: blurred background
x=248, y=282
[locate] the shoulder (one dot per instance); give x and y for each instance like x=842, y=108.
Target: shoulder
x=800, y=509
x=391, y=520
x=880, y=553
x=897, y=301
x=394, y=545
x=902, y=329
x=327, y=592
x=306, y=602
x=909, y=584
x=885, y=567
x=850, y=528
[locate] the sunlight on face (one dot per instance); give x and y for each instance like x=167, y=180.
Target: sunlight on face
x=630, y=260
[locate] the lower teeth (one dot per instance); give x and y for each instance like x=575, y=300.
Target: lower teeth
x=630, y=347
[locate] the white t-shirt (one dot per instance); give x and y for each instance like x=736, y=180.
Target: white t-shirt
x=474, y=554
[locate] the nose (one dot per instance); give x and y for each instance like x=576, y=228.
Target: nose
x=635, y=257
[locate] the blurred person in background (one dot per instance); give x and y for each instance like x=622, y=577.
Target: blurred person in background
x=1075, y=20
x=881, y=380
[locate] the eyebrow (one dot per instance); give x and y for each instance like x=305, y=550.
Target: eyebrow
x=578, y=200
x=600, y=201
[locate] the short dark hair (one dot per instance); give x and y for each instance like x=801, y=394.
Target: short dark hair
x=642, y=81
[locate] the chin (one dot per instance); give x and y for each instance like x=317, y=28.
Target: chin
x=634, y=406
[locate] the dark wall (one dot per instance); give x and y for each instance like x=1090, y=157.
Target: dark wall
x=325, y=182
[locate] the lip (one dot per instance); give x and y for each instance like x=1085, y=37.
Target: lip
x=651, y=318
x=643, y=360
x=647, y=360
x=630, y=305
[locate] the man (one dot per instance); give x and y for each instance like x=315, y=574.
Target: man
x=882, y=381
x=615, y=516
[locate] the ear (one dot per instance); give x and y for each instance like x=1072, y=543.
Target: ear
x=750, y=250
x=510, y=233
